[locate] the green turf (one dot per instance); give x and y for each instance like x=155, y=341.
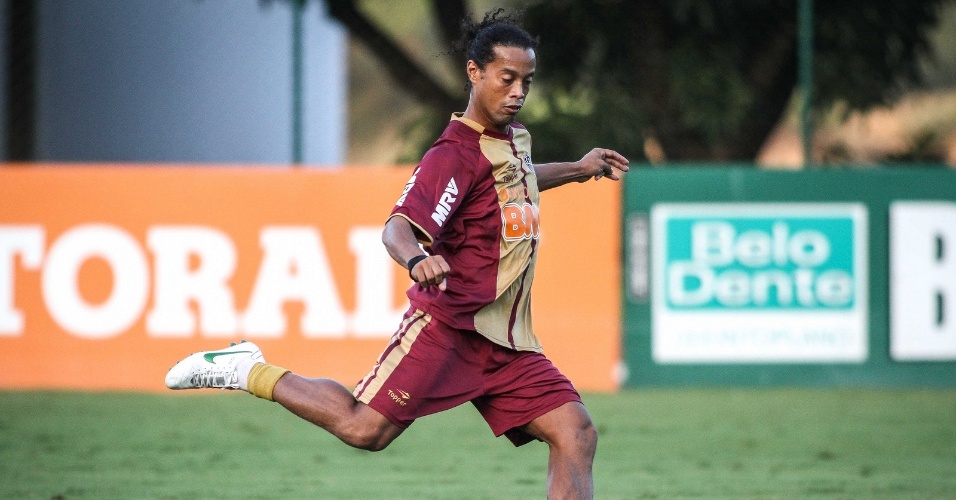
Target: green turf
x=783, y=443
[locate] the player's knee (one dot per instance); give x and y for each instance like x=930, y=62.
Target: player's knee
x=365, y=440
x=586, y=437
x=580, y=438
x=374, y=443
x=591, y=437
x=366, y=437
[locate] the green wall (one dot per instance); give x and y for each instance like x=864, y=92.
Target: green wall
x=876, y=188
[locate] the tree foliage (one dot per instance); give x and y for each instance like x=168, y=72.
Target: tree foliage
x=687, y=80
x=710, y=80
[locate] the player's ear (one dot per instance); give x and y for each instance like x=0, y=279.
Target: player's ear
x=473, y=71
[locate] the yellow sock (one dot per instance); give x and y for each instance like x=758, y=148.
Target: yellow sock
x=263, y=379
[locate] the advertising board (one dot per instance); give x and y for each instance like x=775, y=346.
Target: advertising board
x=735, y=275
x=110, y=274
x=759, y=282
x=923, y=280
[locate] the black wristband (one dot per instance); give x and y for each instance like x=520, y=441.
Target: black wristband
x=414, y=261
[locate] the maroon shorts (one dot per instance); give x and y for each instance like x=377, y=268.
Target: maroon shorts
x=430, y=367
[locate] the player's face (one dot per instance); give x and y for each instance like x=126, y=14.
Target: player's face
x=499, y=90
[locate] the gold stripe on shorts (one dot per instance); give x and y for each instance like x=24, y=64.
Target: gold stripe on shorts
x=397, y=349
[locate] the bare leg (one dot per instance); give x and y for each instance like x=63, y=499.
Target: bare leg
x=331, y=406
x=573, y=441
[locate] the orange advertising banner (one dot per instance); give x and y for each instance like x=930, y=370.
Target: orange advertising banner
x=110, y=274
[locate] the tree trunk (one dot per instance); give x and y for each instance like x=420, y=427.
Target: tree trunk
x=405, y=72
x=21, y=63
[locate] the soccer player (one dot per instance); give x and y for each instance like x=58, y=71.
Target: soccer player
x=472, y=203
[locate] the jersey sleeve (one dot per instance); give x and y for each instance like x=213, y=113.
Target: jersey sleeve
x=435, y=191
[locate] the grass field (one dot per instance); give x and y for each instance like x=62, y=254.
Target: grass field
x=716, y=443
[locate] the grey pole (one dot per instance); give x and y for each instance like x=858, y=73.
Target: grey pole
x=805, y=56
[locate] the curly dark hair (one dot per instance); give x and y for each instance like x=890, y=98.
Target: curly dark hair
x=479, y=39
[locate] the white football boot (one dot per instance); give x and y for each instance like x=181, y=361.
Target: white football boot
x=212, y=369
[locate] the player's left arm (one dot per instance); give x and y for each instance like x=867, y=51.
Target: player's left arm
x=599, y=162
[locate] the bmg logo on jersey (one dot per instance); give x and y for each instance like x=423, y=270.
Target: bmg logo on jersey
x=759, y=282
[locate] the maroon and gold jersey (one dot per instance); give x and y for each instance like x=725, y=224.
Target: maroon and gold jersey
x=474, y=201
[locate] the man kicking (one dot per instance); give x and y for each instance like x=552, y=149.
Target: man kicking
x=472, y=203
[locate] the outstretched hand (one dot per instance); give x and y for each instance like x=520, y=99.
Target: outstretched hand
x=600, y=162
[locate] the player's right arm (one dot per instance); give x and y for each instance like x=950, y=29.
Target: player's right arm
x=428, y=203
x=402, y=245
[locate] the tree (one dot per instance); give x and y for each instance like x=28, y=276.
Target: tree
x=403, y=68
x=697, y=80
x=710, y=80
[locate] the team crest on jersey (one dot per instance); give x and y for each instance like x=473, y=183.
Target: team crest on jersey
x=408, y=187
x=511, y=173
x=527, y=162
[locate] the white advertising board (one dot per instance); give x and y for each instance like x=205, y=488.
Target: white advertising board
x=923, y=280
x=759, y=282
